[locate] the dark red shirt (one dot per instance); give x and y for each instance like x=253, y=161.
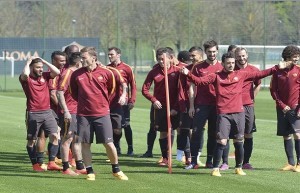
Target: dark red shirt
x=248, y=90
x=229, y=86
x=285, y=87
x=157, y=76
x=115, y=96
x=64, y=85
x=92, y=90
x=37, y=92
x=205, y=94
x=183, y=92
x=129, y=79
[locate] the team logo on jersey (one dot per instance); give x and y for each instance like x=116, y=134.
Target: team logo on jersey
x=235, y=78
x=295, y=75
x=42, y=80
x=100, y=78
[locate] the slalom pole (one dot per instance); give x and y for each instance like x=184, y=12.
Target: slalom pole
x=168, y=115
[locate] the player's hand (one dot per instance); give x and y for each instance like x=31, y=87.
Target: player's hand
x=122, y=100
x=191, y=112
x=286, y=109
x=67, y=116
x=130, y=106
x=173, y=112
x=157, y=105
x=184, y=70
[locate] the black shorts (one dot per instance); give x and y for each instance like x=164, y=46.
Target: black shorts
x=116, y=116
x=287, y=123
x=205, y=113
x=66, y=127
x=126, y=116
x=231, y=125
x=42, y=120
x=186, y=122
x=101, y=126
x=250, y=126
x=160, y=120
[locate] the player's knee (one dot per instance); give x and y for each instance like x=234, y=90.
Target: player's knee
x=117, y=131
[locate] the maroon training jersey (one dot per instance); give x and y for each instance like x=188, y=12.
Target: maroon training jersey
x=157, y=76
x=129, y=79
x=64, y=85
x=115, y=96
x=285, y=87
x=248, y=90
x=183, y=92
x=37, y=92
x=229, y=86
x=92, y=90
x=205, y=94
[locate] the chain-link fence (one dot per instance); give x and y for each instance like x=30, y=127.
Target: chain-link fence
x=139, y=27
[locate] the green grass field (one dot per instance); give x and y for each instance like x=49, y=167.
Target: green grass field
x=144, y=175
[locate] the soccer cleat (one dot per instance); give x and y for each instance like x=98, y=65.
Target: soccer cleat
x=36, y=167
x=130, y=152
x=70, y=172
x=297, y=168
x=82, y=171
x=239, y=171
x=216, y=172
x=160, y=160
x=164, y=162
x=192, y=166
x=247, y=166
x=44, y=166
x=53, y=166
x=120, y=175
x=147, y=154
x=91, y=177
x=208, y=165
x=224, y=166
x=288, y=167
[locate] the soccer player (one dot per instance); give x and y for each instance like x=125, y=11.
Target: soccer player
x=158, y=98
x=39, y=116
x=284, y=88
x=67, y=118
x=230, y=112
x=205, y=105
x=114, y=55
x=91, y=87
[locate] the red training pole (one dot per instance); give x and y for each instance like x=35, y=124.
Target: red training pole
x=168, y=115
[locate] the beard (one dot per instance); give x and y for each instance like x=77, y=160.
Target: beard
x=37, y=74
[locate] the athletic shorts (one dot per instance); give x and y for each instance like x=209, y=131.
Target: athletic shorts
x=42, y=120
x=126, y=116
x=250, y=126
x=186, y=122
x=55, y=115
x=100, y=126
x=231, y=125
x=116, y=116
x=205, y=113
x=66, y=126
x=287, y=123
x=151, y=116
x=160, y=120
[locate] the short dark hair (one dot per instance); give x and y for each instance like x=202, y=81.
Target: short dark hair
x=196, y=48
x=57, y=53
x=227, y=55
x=70, y=49
x=118, y=50
x=36, y=60
x=231, y=48
x=209, y=44
x=161, y=51
x=170, y=51
x=184, y=56
x=74, y=58
x=290, y=51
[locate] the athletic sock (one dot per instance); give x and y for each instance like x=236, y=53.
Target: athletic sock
x=297, y=149
x=65, y=165
x=164, y=147
x=117, y=138
x=248, y=147
x=52, y=149
x=79, y=165
x=218, y=154
x=226, y=153
x=239, y=154
x=196, y=144
x=58, y=152
x=128, y=136
x=288, y=147
x=40, y=157
x=89, y=170
x=32, y=154
x=115, y=168
x=211, y=145
x=187, y=150
x=151, y=136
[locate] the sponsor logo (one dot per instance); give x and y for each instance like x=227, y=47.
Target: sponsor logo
x=42, y=80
